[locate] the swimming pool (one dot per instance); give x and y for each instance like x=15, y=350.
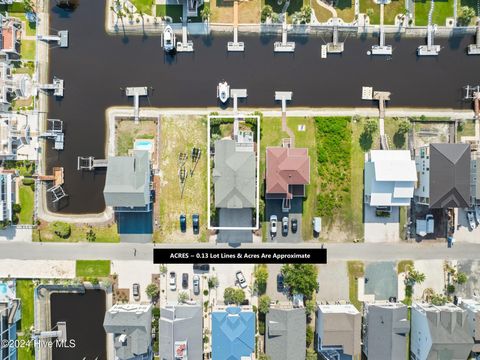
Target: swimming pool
x=3, y=288
x=143, y=144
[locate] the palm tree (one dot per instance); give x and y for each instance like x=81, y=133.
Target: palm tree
x=205, y=13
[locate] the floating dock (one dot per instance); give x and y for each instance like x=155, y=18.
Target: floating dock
x=90, y=163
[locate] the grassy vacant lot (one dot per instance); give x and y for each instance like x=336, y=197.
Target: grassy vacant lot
x=180, y=134
x=340, y=173
x=345, y=10
x=27, y=49
x=25, y=290
x=467, y=129
x=126, y=131
x=321, y=13
x=107, y=234
x=295, y=5
x=248, y=11
x=174, y=11
x=396, y=140
x=27, y=198
x=92, y=268
x=143, y=5
x=355, y=270
x=443, y=9
x=391, y=10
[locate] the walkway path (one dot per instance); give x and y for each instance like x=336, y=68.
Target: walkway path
x=235, y=13
x=328, y=7
x=285, y=128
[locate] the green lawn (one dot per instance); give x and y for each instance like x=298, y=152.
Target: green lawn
x=25, y=289
x=174, y=11
x=345, y=10
x=443, y=9
x=391, y=10
x=92, y=268
x=104, y=234
x=27, y=198
x=355, y=270
x=27, y=51
x=396, y=140
x=467, y=129
x=403, y=265
x=321, y=13
x=295, y=5
x=143, y=5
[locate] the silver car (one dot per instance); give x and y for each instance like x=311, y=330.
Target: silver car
x=196, y=284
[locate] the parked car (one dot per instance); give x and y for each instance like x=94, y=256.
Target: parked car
x=201, y=267
x=471, y=220
x=136, y=291
x=196, y=223
x=273, y=225
x=317, y=226
x=241, y=279
x=294, y=225
x=285, y=226
x=477, y=214
x=280, y=283
x=183, y=223
x=185, y=280
x=173, y=281
x=196, y=284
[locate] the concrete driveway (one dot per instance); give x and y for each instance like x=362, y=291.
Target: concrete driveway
x=333, y=282
x=274, y=207
x=463, y=233
x=280, y=297
x=472, y=287
x=226, y=278
x=381, y=280
x=131, y=271
x=381, y=229
x=434, y=278
x=179, y=269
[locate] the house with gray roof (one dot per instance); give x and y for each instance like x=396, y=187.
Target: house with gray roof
x=285, y=335
x=443, y=175
x=385, y=331
x=181, y=332
x=131, y=327
x=439, y=333
x=127, y=185
x=472, y=307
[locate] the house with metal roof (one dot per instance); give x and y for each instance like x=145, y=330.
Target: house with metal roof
x=131, y=327
x=287, y=174
x=443, y=175
x=181, y=332
x=285, y=335
x=390, y=177
x=7, y=195
x=475, y=179
x=338, y=332
x=472, y=307
x=10, y=35
x=385, y=331
x=10, y=315
x=439, y=332
x=233, y=333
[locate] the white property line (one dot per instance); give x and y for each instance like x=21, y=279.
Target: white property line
x=257, y=215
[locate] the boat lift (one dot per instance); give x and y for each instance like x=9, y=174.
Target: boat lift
x=430, y=49
x=54, y=132
x=284, y=45
x=61, y=38
x=60, y=333
x=474, y=49
x=335, y=47
x=382, y=49
x=56, y=86
x=90, y=163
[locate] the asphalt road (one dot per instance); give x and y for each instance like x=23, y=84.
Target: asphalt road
x=344, y=251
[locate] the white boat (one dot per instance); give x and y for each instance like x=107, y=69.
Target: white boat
x=168, y=39
x=477, y=214
x=223, y=91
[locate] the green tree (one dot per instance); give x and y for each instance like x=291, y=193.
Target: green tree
x=438, y=299
x=264, y=304
x=370, y=12
x=466, y=15
x=267, y=12
x=261, y=278
x=403, y=127
x=310, y=307
x=309, y=336
x=16, y=208
x=311, y=354
x=370, y=126
x=461, y=278
x=28, y=6
x=233, y=296
x=183, y=297
x=301, y=278
x=91, y=236
x=212, y=282
x=414, y=276
x=205, y=13
x=62, y=229
x=264, y=357
x=152, y=291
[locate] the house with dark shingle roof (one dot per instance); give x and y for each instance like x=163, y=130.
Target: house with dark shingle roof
x=131, y=326
x=443, y=175
x=233, y=333
x=439, y=333
x=285, y=335
x=287, y=173
x=385, y=331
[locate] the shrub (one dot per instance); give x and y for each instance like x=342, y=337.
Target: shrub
x=62, y=229
x=309, y=337
x=261, y=327
x=16, y=208
x=205, y=292
x=451, y=289
x=28, y=181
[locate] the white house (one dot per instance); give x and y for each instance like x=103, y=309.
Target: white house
x=472, y=307
x=7, y=195
x=390, y=177
x=439, y=332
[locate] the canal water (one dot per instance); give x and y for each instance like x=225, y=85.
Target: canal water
x=97, y=66
x=83, y=314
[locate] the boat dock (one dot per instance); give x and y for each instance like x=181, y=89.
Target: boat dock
x=136, y=92
x=235, y=45
x=235, y=94
x=185, y=45
x=382, y=49
x=54, y=132
x=56, y=86
x=57, y=177
x=334, y=47
x=430, y=49
x=474, y=49
x=284, y=45
x=382, y=97
x=61, y=38
x=90, y=163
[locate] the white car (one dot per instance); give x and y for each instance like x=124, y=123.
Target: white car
x=241, y=279
x=273, y=225
x=173, y=281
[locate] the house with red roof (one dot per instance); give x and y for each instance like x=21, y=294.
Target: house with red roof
x=10, y=35
x=287, y=173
